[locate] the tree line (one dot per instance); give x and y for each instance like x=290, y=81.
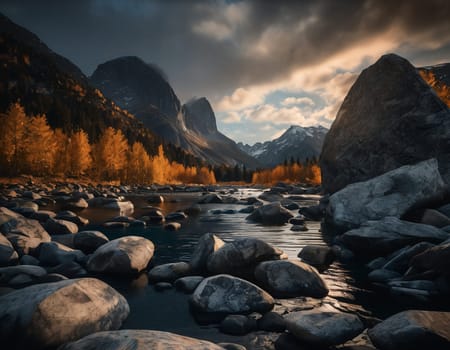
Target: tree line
x=28, y=145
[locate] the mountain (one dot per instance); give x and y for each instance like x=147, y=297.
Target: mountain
x=47, y=83
x=144, y=91
x=389, y=118
x=295, y=143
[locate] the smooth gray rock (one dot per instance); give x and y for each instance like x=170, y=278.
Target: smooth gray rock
x=435, y=259
x=139, y=340
x=52, y=314
x=60, y=227
x=434, y=218
x=28, y=260
x=272, y=322
x=377, y=126
x=42, y=215
x=53, y=253
x=75, y=204
x=225, y=294
x=10, y=272
x=241, y=255
x=383, y=275
x=8, y=255
x=169, y=272
x=89, y=241
x=317, y=256
x=188, y=284
x=271, y=214
x=69, y=269
x=125, y=255
x=72, y=217
x=237, y=325
x=323, y=328
x=172, y=226
x=66, y=239
x=413, y=330
x=390, y=194
x=210, y=198
x=207, y=244
x=400, y=262
x=375, y=238
x=288, y=278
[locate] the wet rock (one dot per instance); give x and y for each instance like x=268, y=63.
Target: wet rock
x=390, y=194
x=75, y=204
x=400, y=262
x=155, y=199
x=52, y=253
x=42, y=215
x=221, y=295
x=297, y=220
x=247, y=210
x=51, y=314
x=323, y=328
x=383, y=275
x=60, y=227
x=289, y=204
x=271, y=214
x=172, y=226
x=271, y=196
x=124, y=207
x=210, y=198
x=11, y=272
x=207, y=244
x=313, y=212
x=28, y=260
x=89, y=241
x=8, y=255
x=318, y=256
x=161, y=286
x=114, y=224
x=413, y=330
x=188, y=284
x=299, y=228
x=241, y=256
x=434, y=218
x=155, y=215
x=445, y=209
x=69, y=269
x=237, y=325
x=287, y=278
x=72, y=217
x=375, y=238
x=176, y=216
x=377, y=263
x=66, y=239
x=125, y=255
x=169, y=272
x=434, y=259
x=272, y=322
x=140, y=340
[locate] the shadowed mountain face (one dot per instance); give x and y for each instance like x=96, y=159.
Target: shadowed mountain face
x=389, y=118
x=143, y=90
x=295, y=143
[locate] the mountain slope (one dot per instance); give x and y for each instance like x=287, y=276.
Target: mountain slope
x=295, y=143
x=389, y=118
x=144, y=91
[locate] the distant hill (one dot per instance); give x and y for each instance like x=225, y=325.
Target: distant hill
x=296, y=143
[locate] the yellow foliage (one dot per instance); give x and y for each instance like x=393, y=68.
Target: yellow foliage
x=309, y=173
x=442, y=90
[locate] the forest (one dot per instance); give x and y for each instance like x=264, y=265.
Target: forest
x=28, y=145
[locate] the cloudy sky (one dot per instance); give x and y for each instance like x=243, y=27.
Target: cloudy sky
x=264, y=65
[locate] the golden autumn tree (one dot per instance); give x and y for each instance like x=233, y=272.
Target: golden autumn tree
x=138, y=168
x=13, y=124
x=110, y=154
x=442, y=90
x=39, y=148
x=160, y=166
x=79, y=153
x=61, y=160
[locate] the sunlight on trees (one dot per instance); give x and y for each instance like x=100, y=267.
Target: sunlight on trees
x=290, y=173
x=110, y=154
x=442, y=90
x=79, y=153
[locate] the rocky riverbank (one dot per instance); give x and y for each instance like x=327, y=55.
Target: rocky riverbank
x=246, y=286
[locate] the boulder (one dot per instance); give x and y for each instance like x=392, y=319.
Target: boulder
x=435, y=259
x=172, y=226
x=155, y=199
x=400, y=262
x=210, y=198
x=413, y=330
x=60, y=227
x=8, y=255
x=222, y=295
x=207, y=244
x=69, y=269
x=318, y=256
x=11, y=272
x=72, y=217
x=66, y=239
x=169, y=272
x=377, y=126
x=434, y=218
x=390, y=194
x=139, y=340
x=323, y=328
x=176, y=216
x=42, y=215
x=271, y=214
x=25, y=234
x=53, y=253
x=75, y=204
x=188, y=284
x=89, y=241
x=124, y=207
x=272, y=322
x=125, y=255
x=287, y=278
x=382, y=237
x=51, y=314
x=383, y=275
x=237, y=325
x=241, y=256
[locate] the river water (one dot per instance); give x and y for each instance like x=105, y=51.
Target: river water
x=169, y=311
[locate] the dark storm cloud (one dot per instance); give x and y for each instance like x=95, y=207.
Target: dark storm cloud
x=207, y=49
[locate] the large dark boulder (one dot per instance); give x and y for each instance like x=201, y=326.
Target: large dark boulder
x=389, y=118
x=413, y=330
x=50, y=314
